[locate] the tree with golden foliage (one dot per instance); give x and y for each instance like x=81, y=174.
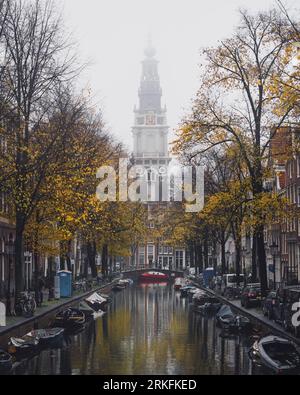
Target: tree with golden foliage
x=234, y=104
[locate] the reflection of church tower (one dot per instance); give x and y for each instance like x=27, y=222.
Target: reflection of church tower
x=150, y=132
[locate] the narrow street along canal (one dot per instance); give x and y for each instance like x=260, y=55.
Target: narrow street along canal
x=148, y=330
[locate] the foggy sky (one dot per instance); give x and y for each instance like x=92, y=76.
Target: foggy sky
x=112, y=35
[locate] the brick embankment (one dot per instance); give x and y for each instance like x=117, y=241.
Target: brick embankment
x=18, y=327
x=255, y=315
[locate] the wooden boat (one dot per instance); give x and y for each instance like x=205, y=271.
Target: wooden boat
x=198, y=297
x=5, y=362
x=48, y=337
x=126, y=282
x=70, y=319
x=202, y=298
x=105, y=296
x=207, y=308
x=96, y=302
x=229, y=321
x=275, y=353
x=193, y=291
x=24, y=345
x=179, y=283
x=87, y=310
x=154, y=276
x=118, y=287
x=185, y=290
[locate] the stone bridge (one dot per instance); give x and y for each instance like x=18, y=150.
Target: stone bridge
x=135, y=274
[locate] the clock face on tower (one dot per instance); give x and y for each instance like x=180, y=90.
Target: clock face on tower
x=150, y=119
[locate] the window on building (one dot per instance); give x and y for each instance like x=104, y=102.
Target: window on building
x=150, y=253
x=141, y=121
x=142, y=256
x=165, y=262
x=179, y=259
x=166, y=250
x=150, y=249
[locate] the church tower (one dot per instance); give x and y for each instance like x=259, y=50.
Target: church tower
x=150, y=131
x=151, y=153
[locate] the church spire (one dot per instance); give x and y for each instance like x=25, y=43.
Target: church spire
x=150, y=51
x=150, y=130
x=150, y=91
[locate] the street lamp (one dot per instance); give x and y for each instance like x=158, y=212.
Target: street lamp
x=274, y=251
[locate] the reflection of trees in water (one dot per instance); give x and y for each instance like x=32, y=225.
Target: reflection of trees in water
x=65, y=362
x=148, y=330
x=237, y=360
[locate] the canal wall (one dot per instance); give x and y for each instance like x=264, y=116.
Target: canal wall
x=255, y=318
x=44, y=318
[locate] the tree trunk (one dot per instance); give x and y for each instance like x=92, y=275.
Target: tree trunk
x=259, y=235
x=205, y=252
x=196, y=257
x=19, y=256
x=238, y=261
x=254, y=259
x=91, y=252
x=192, y=255
x=261, y=256
x=110, y=265
x=105, y=260
x=223, y=253
x=199, y=258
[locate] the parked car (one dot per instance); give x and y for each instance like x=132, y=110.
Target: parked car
x=231, y=280
x=251, y=295
x=278, y=306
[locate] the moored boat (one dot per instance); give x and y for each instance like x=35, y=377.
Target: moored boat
x=96, y=302
x=118, y=287
x=180, y=282
x=126, y=282
x=186, y=289
x=70, y=319
x=5, y=362
x=154, y=276
x=202, y=298
x=229, y=321
x=275, y=353
x=24, y=345
x=48, y=337
x=87, y=310
x=105, y=296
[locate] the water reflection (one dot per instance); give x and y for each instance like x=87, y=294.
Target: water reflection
x=149, y=329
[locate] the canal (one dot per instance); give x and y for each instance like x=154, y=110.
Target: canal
x=148, y=330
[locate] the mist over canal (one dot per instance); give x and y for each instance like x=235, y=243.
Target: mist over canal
x=148, y=330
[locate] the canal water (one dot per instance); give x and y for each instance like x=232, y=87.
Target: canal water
x=148, y=330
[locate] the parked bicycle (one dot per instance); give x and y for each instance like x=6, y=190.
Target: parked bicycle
x=82, y=286
x=26, y=305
